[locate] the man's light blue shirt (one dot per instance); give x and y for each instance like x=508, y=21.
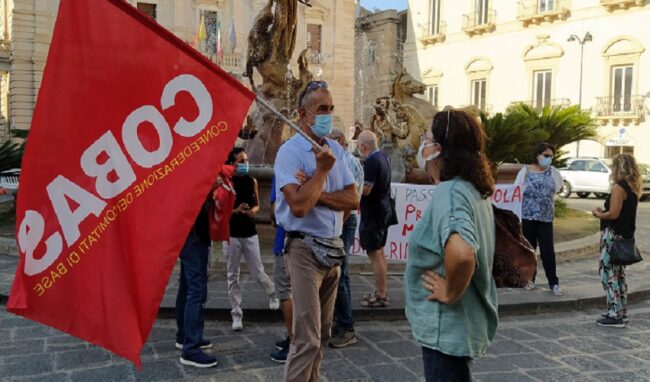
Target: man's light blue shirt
x=357, y=173
x=296, y=154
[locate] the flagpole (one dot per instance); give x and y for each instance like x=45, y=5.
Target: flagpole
x=292, y=125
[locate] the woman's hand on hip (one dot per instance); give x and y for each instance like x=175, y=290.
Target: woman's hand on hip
x=437, y=285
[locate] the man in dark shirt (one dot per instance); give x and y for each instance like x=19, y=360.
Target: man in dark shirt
x=375, y=214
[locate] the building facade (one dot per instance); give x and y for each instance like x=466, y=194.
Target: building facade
x=218, y=28
x=490, y=53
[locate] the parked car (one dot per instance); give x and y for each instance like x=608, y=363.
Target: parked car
x=586, y=175
x=9, y=180
x=9, y=184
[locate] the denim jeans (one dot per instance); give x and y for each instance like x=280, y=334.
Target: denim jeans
x=440, y=367
x=192, y=294
x=343, y=307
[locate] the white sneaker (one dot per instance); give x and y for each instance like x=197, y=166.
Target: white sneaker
x=557, y=290
x=237, y=324
x=530, y=286
x=274, y=303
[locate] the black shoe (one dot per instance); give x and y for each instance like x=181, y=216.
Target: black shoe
x=280, y=356
x=283, y=344
x=624, y=317
x=611, y=322
x=200, y=360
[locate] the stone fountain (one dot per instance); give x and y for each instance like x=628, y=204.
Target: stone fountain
x=399, y=121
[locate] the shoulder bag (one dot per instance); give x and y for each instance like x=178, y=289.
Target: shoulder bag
x=624, y=252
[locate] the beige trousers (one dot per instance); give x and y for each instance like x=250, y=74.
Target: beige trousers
x=314, y=293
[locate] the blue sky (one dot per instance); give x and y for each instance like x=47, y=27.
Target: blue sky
x=384, y=4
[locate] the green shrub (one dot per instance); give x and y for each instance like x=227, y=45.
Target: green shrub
x=560, y=208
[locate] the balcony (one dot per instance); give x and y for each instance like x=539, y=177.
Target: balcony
x=5, y=50
x=620, y=109
x=433, y=34
x=612, y=5
x=537, y=12
x=478, y=23
x=541, y=104
x=232, y=63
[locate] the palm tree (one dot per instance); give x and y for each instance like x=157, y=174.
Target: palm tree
x=510, y=138
x=563, y=125
x=11, y=153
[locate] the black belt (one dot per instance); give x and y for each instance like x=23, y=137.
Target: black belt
x=295, y=235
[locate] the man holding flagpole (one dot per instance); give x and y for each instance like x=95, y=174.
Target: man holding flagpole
x=312, y=214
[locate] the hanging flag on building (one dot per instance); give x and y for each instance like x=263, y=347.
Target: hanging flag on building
x=122, y=152
x=219, y=45
x=200, y=32
x=232, y=36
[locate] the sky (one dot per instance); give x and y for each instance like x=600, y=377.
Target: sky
x=384, y=4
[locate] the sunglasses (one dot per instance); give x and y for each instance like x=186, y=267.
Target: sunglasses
x=446, y=130
x=311, y=86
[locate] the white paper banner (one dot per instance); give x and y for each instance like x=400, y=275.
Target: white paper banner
x=411, y=201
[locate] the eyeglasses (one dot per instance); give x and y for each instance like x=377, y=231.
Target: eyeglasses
x=311, y=86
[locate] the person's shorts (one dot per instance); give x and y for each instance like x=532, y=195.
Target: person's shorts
x=281, y=279
x=373, y=232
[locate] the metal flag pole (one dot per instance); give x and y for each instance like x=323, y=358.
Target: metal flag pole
x=292, y=125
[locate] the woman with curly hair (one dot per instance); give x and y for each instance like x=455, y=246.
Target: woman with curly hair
x=451, y=297
x=618, y=219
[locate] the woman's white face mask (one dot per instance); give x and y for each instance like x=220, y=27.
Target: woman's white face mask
x=421, y=159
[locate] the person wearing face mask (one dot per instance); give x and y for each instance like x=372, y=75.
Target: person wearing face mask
x=243, y=238
x=451, y=296
x=541, y=181
x=312, y=214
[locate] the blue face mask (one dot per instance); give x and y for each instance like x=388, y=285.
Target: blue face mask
x=545, y=162
x=322, y=126
x=242, y=169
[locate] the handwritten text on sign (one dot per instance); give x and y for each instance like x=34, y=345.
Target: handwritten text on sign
x=412, y=200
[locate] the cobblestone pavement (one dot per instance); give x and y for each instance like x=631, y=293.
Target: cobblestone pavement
x=550, y=347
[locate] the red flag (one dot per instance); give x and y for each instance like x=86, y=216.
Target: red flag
x=129, y=132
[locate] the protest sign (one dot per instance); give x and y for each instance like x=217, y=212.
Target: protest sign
x=412, y=200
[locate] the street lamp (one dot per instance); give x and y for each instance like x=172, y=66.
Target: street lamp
x=587, y=37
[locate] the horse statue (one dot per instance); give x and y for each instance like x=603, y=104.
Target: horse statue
x=410, y=127
x=403, y=90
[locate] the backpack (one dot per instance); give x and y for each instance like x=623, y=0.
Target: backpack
x=514, y=261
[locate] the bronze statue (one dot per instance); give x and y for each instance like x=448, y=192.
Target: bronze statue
x=271, y=44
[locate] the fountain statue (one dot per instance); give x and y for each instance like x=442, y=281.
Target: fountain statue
x=271, y=43
x=403, y=90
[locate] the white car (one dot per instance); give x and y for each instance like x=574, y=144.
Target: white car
x=586, y=175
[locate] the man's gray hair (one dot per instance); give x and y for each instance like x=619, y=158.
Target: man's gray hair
x=368, y=138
